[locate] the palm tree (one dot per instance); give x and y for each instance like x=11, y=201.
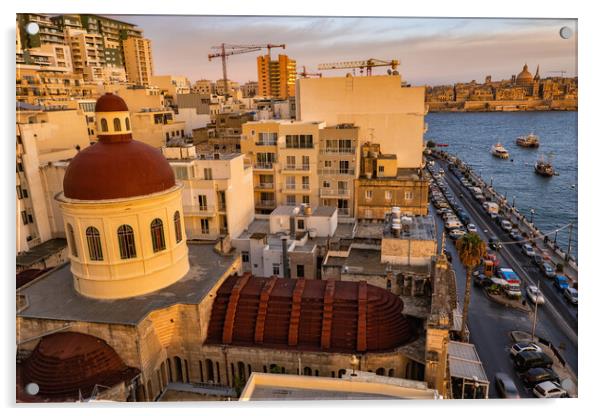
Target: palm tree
x=471, y=250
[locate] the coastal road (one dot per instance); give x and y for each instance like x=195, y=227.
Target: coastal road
x=557, y=320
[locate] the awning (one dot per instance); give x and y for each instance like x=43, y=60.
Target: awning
x=464, y=362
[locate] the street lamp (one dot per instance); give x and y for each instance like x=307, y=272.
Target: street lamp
x=513, y=198
x=532, y=212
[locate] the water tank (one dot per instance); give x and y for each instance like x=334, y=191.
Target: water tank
x=307, y=210
x=396, y=228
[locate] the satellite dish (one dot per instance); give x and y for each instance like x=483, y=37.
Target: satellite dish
x=32, y=389
x=32, y=28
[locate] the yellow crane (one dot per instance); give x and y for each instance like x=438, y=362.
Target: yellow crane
x=368, y=64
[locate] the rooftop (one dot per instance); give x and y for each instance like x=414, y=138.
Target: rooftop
x=464, y=362
x=367, y=261
x=421, y=228
x=54, y=297
x=289, y=210
x=41, y=252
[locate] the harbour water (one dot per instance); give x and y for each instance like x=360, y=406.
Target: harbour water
x=554, y=200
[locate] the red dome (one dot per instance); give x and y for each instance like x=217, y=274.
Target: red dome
x=312, y=315
x=117, y=168
x=110, y=102
x=65, y=363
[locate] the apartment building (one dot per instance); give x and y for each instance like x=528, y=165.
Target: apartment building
x=217, y=195
x=249, y=89
x=203, y=86
x=382, y=185
x=138, y=60
x=87, y=52
x=49, y=32
x=385, y=110
x=157, y=127
x=138, y=97
x=171, y=85
x=223, y=135
x=276, y=78
x=338, y=166
x=49, y=87
x=44, y=138
x=284, y=155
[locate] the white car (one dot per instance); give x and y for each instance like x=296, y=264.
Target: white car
x=549, y=390
x=456, y=233
x=535, y=295
x=528, y=250
x=471, y=228
x=524, y=346
x=506, y=225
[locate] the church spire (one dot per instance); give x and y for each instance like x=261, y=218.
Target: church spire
x=537, y=72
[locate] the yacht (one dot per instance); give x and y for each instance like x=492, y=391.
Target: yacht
x=499, y=151
x=544, y=168
x=530, y=140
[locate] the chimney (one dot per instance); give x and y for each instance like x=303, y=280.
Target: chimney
x=285, y=269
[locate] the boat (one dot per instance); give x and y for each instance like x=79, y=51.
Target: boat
x=544, y=167
x=530, y=140
x=499, y=151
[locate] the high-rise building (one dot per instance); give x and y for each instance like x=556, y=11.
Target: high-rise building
x=138, y=60
x=49, y=32
x=276, y=78
x=87, y=52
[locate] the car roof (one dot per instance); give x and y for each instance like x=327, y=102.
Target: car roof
x=532, y=287
x=548, y=385
x=571, y=289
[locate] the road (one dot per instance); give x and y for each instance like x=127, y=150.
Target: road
x=490, y=323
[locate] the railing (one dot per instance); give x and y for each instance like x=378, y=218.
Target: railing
x=346, y=193
x=338, y=150
x=290, y=187
x=223, y=231
x=305, y=187
x=199, y=210
x=344, y=211
x=334, y=171
x=265, y=185
x=264, y=165
x=221, y=206
x=261, y=143
x=266, y=203
x=296, y=168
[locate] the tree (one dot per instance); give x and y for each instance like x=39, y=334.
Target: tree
x=471, y=250
x=430, y=144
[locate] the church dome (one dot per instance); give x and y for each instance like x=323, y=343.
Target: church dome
x=117, y=166
x=524, y=78
x=67, y=363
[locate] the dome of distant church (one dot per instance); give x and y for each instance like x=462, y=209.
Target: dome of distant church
x=524, y=78
x=117, y=166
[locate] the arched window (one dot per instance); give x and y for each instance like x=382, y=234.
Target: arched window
x=94, y=246
x=127, y=245
x=157, y=235
x=177, y=226
x=127, y=123
x=116, y=124
x=104, y=126
x=71, y=237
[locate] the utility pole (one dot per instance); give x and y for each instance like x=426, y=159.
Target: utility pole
x=555, y=235
x=513, y=198
x=570, y=237
x=535, y=314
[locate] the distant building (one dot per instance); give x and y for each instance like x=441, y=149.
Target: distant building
x=138, y=60
x=276, y=78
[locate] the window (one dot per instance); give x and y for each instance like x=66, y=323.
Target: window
x=368, y=194
x=104, y=126
x=326, y=184
x=291, y=200
x=127, y=123
x=204, y=226
x=305, y=162
x=94, y=245
x=305, y=182
x=71, y=240
x=208, y=173
x=409, y=195
x=344, y=166
x=300, y=271
x=300, y=224
x=19, y=192
x=19, y=166
x=290, y=162
x=290, y=182
x=306, y=199
x=381, y=169
x=388, y=195
x=127, y=245
x=245, y=256
x=157, y=235
x=276, y=269
x=328, y=163
x=177, y=226
x=116, y=124
x=181, y=172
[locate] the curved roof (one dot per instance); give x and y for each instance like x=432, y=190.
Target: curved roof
x=318, y=315
x=110, y=102
x=65, y=363
x=524, y=77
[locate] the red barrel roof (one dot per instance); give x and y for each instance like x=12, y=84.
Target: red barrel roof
x=313, y=315
x=110, y=102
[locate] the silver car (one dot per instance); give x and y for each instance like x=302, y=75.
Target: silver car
x=570, y=293
x=535, y=296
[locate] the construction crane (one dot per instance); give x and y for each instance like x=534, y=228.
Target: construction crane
x=367, y=64
x=306, y=74
x=224, y=50
x=561, y=72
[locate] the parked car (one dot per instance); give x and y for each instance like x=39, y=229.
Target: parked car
x=525, y=360
x=549, y=390
x=570, y=294
x=451, y=224
x=456, y=233
x=506, y=225
x=537, y=259
x=505, y=386
x=515, y=235
x=528, y=250
x=547, y=269
x=481, y=280
x=471, y=228
x=534, y=295
x=537, y=375
x=524, y=346
x=464, y=217
x=494, y=243
x=561, y=282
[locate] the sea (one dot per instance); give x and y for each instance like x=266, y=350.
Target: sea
x=554, y=200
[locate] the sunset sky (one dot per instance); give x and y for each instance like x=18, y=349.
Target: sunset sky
x=431, y=51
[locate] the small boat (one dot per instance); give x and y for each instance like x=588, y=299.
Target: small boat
x=544, y=168
x=530, y=140
x=499, y=151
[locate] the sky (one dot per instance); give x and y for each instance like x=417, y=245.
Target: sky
x=432, y=51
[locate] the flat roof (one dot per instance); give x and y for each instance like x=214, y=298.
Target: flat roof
x=54, y=297
x=41, y=252
x=367, y=261
x=464, y=362
x=421, y=228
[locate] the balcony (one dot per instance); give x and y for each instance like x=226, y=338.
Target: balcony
x=265, y=143
x=265, y=185
x=199, y=210
x=334, y=171
x=334, y=193
x=338, y=150
x=263, y=166
x=266, y=203
x=295, y=168
x=344, y=211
